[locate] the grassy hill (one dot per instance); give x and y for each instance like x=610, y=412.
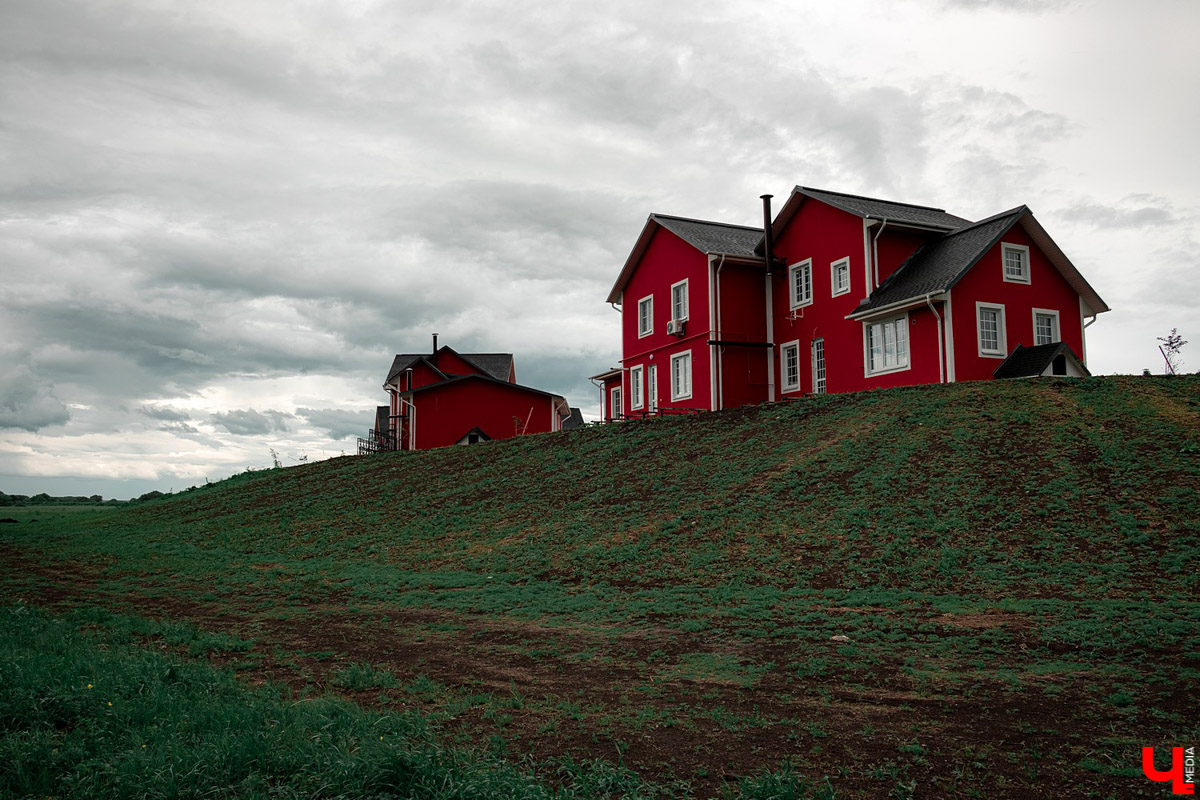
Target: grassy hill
x=953, y=591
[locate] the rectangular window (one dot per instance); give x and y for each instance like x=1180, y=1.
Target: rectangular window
x=1016, y=263
x=789, y=366
x=1045, y=326
x=840, y=276
x=614, y=408
x=679, y=301
x=645, y=316
x=887, y=345
x=800, y=283
x=992, y=341
x=818, y=365
x=635, y=387
x=652, y=385
x=681, y=376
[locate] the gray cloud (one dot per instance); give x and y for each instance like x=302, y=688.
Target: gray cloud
x=165, y=413
x=28, y=402
x=251, y=422
x=1134, y=212
x=340, y=423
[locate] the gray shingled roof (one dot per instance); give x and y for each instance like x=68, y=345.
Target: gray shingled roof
x=497, y=365
x=1029, y=362
x=937, y=265
x=712, y=237
x=902, y=213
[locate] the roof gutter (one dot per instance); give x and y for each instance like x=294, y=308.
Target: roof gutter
x=908, y=302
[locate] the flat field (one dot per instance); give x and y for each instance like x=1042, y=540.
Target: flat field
x=977, y=590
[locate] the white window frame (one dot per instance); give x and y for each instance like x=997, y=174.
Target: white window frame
x=1056, y=334
x=842, y=264
x=902, y=355
x=648, y=319
x=675, y=304
x=652, y=387
x=637, y=386
x=820, y=382
x=1001, y=332
x=784, y=384
x=797, y=300
x=679, y=391
x=1005, y=249
x=614, y=403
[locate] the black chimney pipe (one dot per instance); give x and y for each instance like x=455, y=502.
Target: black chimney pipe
x=435, y=344
x=768, y=237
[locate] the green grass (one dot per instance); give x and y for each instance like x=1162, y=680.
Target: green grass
x=708, y=599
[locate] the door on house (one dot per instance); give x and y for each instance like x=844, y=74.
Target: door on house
x=818, y=365
x=653, y=388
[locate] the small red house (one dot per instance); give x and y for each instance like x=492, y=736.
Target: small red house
x=846, y=293
x=444, y=397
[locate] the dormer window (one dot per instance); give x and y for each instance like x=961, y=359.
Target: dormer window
x=1016, y=263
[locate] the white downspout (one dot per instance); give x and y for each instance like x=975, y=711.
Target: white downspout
x=941, y=332
x=875, y=252
x=720, y=398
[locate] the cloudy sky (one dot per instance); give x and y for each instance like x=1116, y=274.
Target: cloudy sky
x=219, y=220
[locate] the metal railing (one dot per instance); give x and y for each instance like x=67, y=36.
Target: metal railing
x=377, y=442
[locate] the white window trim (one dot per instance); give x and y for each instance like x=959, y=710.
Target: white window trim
x=614, y=403
x=649, y=299
x=686, y=301
x=791, y=274
x=1001, y=330
x=866, y=340
x=833, y=270
x=1027, y=277
x=681, y=396
x=784, y=386
x=1049, y=312
x=637, y=387
x=652, y=387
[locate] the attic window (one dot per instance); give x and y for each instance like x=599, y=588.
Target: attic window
x=1016, y=263
x=679, y=301
x=800, y=284
x=840, y=277
x=645, y=316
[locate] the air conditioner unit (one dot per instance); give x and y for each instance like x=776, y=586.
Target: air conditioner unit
x=675, y=327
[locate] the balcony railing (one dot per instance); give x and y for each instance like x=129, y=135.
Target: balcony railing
x=377, y=442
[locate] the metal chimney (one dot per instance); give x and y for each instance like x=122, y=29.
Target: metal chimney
x=435, y=344
x=768, y=237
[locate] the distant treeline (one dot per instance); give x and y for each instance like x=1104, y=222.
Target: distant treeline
x=48, y=500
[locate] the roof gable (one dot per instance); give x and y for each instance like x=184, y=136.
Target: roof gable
x=408, y=361
x=906, y=214
x=938, y=265
x=704, y=236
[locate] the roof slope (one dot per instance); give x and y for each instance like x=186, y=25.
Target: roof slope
x=941, y=263
x=902, y=213
x=496, y=365
x=937, y=265
x=712, y=237
x=705, y=236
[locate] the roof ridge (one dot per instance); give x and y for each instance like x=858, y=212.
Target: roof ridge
x=1021, y=209
x=706, y=222
x=873, y=199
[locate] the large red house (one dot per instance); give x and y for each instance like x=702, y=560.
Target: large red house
x=445, y=397
x=840, y=293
